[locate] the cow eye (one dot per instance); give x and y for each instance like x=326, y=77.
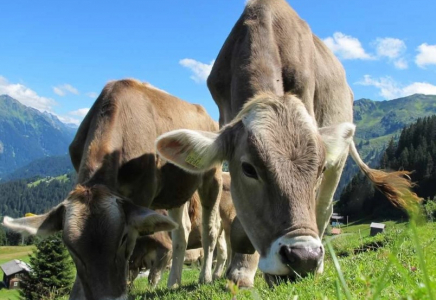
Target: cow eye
x=249, y=170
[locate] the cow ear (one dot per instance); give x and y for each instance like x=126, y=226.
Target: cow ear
x=147, y=221
x=41, y=225
x=193, y=151
x=337, y=140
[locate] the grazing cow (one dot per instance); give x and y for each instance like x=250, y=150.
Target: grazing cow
x=151, y=252
x=115, y=147
x=286, y=117
x=154, y=251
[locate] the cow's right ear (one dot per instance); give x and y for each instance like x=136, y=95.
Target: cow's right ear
x=41, y=225
x=193, y=151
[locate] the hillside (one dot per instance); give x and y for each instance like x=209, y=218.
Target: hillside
x=379, y=121
x=35, y=195
x=48, y=166
x=26, y=134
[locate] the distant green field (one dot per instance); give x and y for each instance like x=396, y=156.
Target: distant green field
x=8, y=253
x=61, y=178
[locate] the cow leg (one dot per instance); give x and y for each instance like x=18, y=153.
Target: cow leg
x=163, y=257
x=229, y=248
x=210, y=193
x=77, y=292
x=242, y=269
x=133, y=273
x=221, y=255
x=180, y=241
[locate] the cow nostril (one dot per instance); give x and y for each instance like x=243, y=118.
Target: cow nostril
x=302, y=260
x=286, y=254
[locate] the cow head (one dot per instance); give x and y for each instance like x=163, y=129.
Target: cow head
x=100, y=230
x=276, y=157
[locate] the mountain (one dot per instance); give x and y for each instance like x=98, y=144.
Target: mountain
x=48, y=166
x=379, y=121
x=26, y=134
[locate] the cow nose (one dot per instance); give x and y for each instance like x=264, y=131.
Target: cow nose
x=303, y=260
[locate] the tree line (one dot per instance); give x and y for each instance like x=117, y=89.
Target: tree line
x=35, y=195
x=415, y=151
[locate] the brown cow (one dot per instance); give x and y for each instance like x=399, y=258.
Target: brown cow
x=286, y=153
x=115, y=147
x=151, y=252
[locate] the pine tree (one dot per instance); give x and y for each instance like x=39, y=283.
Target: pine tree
x=51, y=272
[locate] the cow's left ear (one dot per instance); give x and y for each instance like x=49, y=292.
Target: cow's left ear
x=41, y=225
x=337, y=139
x=193, y=151
x=146, y=221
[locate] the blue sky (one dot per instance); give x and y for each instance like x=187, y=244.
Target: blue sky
x=58, y=55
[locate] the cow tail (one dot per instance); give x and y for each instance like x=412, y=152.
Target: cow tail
x=396, y=186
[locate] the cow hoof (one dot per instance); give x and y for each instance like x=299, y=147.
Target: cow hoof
x=241, y=281
x=204, y=280
x=173, y=286
x=216, y=277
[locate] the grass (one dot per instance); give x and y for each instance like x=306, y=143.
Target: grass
x=8, y=253
x=399, y=265
x=61, y=178
x=9, y=294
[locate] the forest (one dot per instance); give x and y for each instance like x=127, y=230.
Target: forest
x=415, y=151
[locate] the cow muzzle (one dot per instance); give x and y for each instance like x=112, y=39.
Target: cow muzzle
x=293, y=257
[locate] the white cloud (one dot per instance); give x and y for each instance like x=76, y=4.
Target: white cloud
x=74, y=117
x=393, y=49
x=420, y=88
x=80, y=112
x=346, y=47
x=426, y=55
x=401, y=63
x=63, y=89
x=390, y=89
x=92, y=95
x=201, y=70
x=69, y=120
x=389, y=47
x=25, y=95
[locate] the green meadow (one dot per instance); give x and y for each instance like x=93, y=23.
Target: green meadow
x=399, y=264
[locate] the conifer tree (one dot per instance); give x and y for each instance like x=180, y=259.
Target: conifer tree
x=51, y=275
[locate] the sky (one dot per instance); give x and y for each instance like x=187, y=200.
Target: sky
x=56, y=56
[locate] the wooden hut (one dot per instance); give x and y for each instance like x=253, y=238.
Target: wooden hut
x=13, y=272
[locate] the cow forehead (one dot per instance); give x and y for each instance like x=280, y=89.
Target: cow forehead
x=99, y=218
x=281, y=130
x=268, y=110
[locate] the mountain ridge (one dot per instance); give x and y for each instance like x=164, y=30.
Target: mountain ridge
x=27, y=134
x=379, y=121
